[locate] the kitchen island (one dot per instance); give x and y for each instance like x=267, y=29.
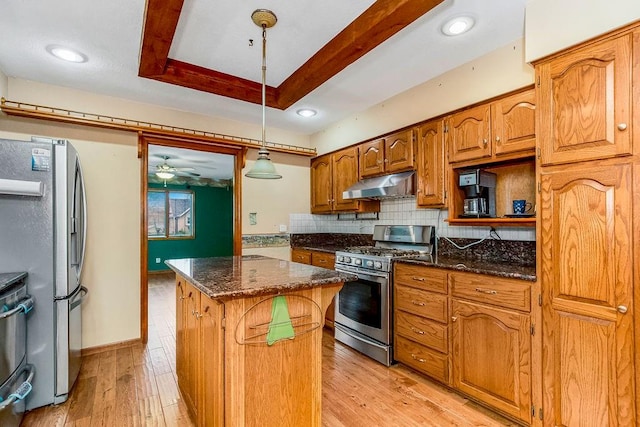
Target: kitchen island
x=249, y=339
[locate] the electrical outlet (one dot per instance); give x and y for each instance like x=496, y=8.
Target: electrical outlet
x=283, y=228
x=253, y=220
x=158, y=260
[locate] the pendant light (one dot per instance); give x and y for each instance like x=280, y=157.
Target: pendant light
x=263, y=168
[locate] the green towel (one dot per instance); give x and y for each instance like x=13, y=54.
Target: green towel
x=280, y=327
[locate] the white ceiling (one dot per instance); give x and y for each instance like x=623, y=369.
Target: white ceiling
x=215, y=34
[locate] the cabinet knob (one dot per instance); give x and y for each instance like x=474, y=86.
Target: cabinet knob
x=454, y=318
x=622, y=126
x=497, y=139
x=622, y=309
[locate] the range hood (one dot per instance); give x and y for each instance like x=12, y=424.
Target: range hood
x=379, y=187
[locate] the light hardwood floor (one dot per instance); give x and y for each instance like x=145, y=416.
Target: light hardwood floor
x=137, y=386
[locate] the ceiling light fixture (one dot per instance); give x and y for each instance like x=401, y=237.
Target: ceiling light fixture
x=165, y=175
x=263, y=168
x=66, y=54
x=306, y=112
x=458, y=25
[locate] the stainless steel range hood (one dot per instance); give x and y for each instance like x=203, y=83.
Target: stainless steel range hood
x=379, y=187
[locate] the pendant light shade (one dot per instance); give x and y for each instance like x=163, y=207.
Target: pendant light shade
x=263, y=167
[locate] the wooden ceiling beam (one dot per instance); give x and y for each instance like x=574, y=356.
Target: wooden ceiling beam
x=375, y=25
x=161, y=21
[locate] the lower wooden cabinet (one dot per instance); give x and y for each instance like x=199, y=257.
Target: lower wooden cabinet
x=319, y=259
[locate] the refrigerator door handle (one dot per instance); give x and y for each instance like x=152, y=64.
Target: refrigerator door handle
x=79, y=218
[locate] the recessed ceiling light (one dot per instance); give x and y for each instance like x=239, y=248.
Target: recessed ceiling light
x=458, y=25
x=306, y=112
x=66, y=54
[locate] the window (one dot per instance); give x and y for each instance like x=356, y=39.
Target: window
x=170, y=214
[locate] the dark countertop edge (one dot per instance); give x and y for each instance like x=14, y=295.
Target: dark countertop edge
x=8, y=279
x=460, y=266
x=329, y=250
x=267, y=290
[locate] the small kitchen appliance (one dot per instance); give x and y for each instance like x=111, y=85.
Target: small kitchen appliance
x=363, y=316
x=480, y=193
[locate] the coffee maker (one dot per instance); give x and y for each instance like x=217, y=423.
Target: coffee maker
x=480, y=193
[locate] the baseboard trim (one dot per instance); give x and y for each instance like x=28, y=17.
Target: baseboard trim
x=108, y=347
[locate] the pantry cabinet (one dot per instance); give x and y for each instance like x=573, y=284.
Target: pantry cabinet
x=331, y=175
x=494, y=131
x=393, y=153
x=491, y=337
x=430, y=165
x=585, y=103
x=589, y=233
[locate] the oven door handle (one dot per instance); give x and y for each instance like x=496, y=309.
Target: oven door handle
x=373, y=276
x=360, y=338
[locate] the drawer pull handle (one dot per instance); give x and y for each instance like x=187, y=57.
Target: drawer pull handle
x=454, y=318
x=419, y=359
x=323, y=261
x=418, y=279
x=417, y=331
x=486, y=291
x=419, y=303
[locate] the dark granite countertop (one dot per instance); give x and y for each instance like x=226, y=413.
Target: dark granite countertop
x=8, y=279
x=249, y=275
x=500, y=269
x=328, y=249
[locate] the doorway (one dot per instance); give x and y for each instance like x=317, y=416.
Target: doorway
x=190, y=205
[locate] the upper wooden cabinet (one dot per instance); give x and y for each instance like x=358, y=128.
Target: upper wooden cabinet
x=585, y=103
x=504, y=128
x=393, y=153
x=430, y=165
x=331, y=174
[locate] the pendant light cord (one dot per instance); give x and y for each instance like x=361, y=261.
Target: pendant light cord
x=264, y=83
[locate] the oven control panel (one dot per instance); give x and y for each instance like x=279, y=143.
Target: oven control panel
x=363, y=263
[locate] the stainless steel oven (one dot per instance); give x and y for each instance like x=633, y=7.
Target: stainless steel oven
x=364, y=307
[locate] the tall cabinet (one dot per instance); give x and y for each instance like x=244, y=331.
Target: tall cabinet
x=589, y=175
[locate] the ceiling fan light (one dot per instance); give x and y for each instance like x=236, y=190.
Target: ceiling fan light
x=165, y=175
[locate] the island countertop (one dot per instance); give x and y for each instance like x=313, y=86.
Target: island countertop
x=249, y=275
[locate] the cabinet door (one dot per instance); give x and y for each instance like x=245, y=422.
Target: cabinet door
x=468, y=134
x=398, y=151
x=430, y=165
x=584, y=102
x=181, y=330
x=192, y=350
x=492, y=356
x=321, y=184
x=513, y=123
x=211, y=377
x=371, y=158
x=345, y=174
x=587, y=287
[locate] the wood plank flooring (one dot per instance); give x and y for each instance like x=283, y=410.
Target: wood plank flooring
x=137, y=386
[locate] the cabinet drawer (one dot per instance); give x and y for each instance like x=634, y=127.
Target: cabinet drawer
x=301, y=256
x=422, y=303
x=423, y=331
x=423, y=359
x=430, y=279
x=506, y=293
x=322, y=259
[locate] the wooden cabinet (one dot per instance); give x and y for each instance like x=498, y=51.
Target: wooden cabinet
x=331, y=174
x=319, y=259
x=198, y=357
x=393, y=153
x=421, y=334
x=430, y=165
x=589, y=232
x=491, y=336
x=502, y=129
x=585, y=103
x=587, y=284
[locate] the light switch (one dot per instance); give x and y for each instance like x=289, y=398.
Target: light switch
x=283, y=228
x=253, y=218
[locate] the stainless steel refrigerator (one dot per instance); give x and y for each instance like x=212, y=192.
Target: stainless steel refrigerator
x=43, y=232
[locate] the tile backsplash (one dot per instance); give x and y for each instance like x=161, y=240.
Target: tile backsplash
x=402, y=211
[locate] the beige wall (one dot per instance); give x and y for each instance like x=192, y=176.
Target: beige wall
x=553, y=25
x=4, y=84
x=112, y=267
x=112, y=169
x=493, y=74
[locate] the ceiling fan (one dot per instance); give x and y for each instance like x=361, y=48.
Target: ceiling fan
x=166, y=171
